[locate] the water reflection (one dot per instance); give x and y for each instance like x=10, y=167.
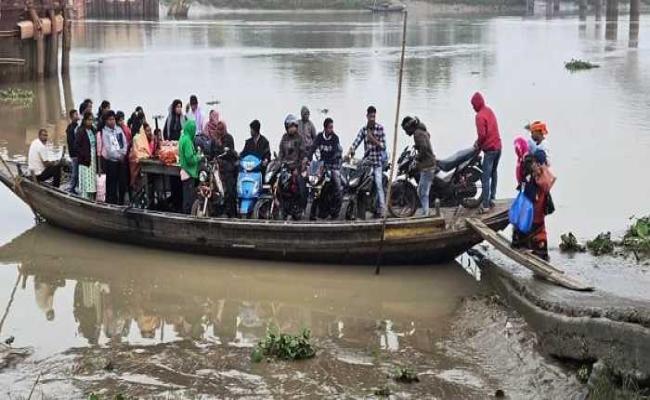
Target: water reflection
x=127, y=294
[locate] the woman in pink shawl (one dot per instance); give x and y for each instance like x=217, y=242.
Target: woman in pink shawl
x=521, y=150
x=210, y=128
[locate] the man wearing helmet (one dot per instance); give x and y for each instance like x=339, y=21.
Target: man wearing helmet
x=425, y=161
x=294, y=153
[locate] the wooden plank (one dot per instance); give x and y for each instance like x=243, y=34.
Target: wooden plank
x=533, y=263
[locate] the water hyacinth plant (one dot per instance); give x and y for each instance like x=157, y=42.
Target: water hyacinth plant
x=284, y=346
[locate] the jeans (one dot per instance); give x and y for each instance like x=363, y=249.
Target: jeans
x=378, y=175
x=489, y=177
x=189, y=194
x=424, y=186
x=74, y=179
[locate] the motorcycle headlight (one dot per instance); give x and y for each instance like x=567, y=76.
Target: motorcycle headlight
x=203, y=176
x=248, y=165
x=313, y=180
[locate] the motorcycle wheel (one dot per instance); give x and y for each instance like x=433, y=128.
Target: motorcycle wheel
x=403, y=200
x=197, y=209
x=473, y=202
x=262, y=209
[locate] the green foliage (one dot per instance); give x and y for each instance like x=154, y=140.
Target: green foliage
x=583, y=373
x=16, y=97
x=405, y=375
x=284, y=346
x=569, y=244
x=605, y=387
x=579, y=65
x=637, y=238
x=601, y=245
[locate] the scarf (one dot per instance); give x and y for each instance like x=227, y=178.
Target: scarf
x=211, y=126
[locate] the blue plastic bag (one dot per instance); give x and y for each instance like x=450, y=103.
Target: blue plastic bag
x=521, y=213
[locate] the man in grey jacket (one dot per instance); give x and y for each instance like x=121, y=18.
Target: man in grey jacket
x=115, y=146
x=425, y=162
x=306, y=128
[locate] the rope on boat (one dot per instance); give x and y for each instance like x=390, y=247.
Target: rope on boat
x=392, y=158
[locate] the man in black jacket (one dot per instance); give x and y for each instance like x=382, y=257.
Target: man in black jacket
x=72, y=149
x=258, y=144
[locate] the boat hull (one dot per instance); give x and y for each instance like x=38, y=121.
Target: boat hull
x=408, y=241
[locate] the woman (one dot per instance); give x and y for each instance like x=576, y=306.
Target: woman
x=174, y=122
x=537, y=183
x=136, y=120
x=210, y=128
x=144, y=147
x=224, y=145
x=205, y=139
x=103, y=107
x=189, y=160
x=86, y=143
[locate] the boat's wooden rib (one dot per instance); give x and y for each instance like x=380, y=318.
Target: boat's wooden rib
x=535, y=264
x=408, y=240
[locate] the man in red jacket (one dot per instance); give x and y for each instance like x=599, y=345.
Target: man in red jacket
x=489, y=142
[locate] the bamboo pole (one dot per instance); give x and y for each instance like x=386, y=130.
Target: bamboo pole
x=11, y=300
x=393, y=153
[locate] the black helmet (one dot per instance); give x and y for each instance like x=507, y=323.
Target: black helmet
x=410, y=123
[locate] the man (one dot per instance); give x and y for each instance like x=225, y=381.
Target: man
x=39, y=161
x=258, y=144
x=293, y=152
x=193, y=112
x=374, y=142
x=489, y=142
x=425, y=162
x=329, y=146
x=306, y=128
x=70, y=133
x=538, y=132
x=115, y=146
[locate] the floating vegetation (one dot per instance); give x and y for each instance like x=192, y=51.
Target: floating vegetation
x=284, y=346
x=579, y=65
x=601, y=245
x=94, y=396
x=583, y=373
x=637, y=237
x=17, y=97
x=569, y=244
x=405, y=375
x=383, y=391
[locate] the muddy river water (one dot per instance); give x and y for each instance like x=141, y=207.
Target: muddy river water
x=100, y=316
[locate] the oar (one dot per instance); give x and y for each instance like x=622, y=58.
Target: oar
x=11, y=300
x=392, y=158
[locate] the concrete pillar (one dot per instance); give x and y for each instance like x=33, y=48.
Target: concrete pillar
x=530, y=7
x=611, y=10
x=582, y=10
x=52, y=48
x=598, y=9
x=634, y=23
x=556, y=6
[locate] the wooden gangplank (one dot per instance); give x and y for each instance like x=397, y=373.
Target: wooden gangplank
x=540, y=267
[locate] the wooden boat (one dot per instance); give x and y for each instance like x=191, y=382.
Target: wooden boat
x=386, y=7
x=407, y=240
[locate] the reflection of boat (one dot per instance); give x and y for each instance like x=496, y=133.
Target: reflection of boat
x=407, y=240
x=387, y=7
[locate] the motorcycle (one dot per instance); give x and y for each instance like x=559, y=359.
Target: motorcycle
x=249, y=183
x=360, y=195
x=268, y=206
x=322, y=192
x=456, y=182
x=210, y=190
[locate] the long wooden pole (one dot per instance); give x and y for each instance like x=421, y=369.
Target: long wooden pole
x=393, y=153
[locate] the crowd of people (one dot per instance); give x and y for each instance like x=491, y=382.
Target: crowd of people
x=106, y=143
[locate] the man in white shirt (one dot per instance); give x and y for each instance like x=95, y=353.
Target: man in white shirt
x=39, y=161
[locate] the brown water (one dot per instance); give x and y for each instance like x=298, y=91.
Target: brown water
x=76, y=295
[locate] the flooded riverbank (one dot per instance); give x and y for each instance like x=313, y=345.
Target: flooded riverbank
x=100, y=316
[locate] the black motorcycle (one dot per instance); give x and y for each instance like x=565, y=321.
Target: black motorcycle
x=323, y=200
x=283, y=199
x=360, y=195
x=457, y=181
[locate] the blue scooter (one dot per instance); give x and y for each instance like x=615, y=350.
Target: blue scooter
x=249, y=183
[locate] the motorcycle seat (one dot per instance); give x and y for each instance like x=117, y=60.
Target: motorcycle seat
x=461, y=156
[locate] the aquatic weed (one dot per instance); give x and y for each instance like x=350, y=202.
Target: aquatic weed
x=637, y=237
x=405, y=375
x=569, y=244
x=602, y=244
x=578, y=65
x=17, y=97
x=284, y=346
